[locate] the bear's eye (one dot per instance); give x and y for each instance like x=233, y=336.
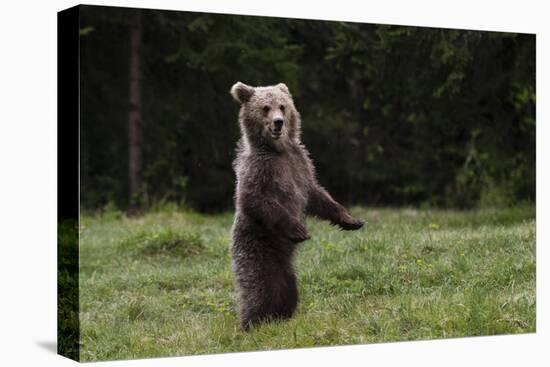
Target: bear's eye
x=266, y=109
x=282, y=108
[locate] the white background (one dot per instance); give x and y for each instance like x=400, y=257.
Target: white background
x=28, y=142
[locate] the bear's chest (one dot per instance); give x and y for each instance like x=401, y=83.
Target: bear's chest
x=290, y=179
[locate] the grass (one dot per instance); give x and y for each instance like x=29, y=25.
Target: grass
x=161, y=284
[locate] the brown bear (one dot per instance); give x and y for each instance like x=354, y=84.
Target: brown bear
x=276, y=188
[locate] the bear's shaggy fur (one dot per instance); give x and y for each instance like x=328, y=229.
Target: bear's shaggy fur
x=276, y=187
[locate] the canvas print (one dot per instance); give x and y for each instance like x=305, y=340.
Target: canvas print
x=233, y=183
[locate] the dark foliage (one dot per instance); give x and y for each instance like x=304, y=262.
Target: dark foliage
x=392, y=115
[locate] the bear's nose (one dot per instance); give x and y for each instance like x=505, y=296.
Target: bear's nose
x=278, y=124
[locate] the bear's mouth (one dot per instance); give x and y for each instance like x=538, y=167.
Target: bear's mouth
x=276, y=134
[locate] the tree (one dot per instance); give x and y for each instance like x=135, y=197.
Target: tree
x=134, y=115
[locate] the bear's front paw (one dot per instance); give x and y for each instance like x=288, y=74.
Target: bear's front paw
x=351, y=224
x=298, y=234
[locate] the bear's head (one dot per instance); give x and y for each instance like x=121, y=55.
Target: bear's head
x=268, y=117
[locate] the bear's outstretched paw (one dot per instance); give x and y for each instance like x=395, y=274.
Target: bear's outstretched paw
x=352, y=225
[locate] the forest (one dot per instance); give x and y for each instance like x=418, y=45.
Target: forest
x=392, y=115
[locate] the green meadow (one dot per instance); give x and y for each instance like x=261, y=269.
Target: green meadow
x=161, y=284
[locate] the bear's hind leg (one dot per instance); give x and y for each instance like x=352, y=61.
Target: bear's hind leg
x=276, y=298
x=288, y=305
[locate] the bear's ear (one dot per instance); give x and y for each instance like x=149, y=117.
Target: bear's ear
x=242, y=92
x=283, y=87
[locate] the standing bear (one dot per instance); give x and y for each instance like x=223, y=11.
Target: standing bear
x=276, y=188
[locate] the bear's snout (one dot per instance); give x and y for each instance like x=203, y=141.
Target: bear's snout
x=278, y=124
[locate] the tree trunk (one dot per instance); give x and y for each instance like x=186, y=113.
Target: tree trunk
x=134, y=116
